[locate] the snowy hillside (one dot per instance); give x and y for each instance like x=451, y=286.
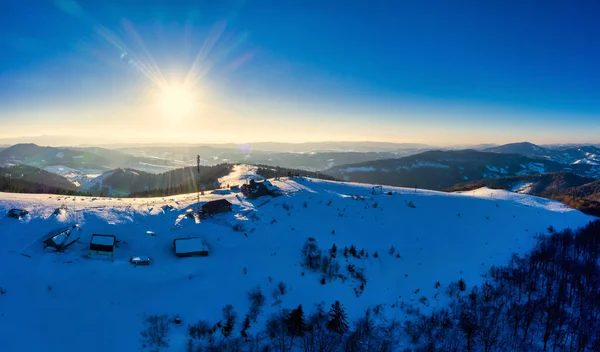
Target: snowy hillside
x=70, y=302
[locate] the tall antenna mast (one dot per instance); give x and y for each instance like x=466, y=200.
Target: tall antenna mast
x=198, y=163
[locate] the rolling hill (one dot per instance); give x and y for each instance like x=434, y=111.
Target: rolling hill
x=564, y=155
x=442, y=169
x=29, y=179
x=401, y=260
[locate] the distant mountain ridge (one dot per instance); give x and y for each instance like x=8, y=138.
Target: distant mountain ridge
x=92, y=158
x=441, y=169
x=565, y=155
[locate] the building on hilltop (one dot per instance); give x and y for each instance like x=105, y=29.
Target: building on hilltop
x=190, y=247
x=103, y=245
x=61, y=238
x=216, y=206
x=255, y=189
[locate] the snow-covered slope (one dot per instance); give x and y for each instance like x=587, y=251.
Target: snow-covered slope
x=68, y=302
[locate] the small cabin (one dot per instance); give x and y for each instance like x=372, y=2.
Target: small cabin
x=190, y=247
x=216, y=206
x=62, y=238
x=17, y=213
x=103, y=245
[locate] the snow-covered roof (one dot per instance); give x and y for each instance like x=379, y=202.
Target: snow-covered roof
x=103, y=240
x=140, y=258
x=190, y=245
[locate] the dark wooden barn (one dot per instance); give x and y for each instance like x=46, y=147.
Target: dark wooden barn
x=255, y=189
x=216, y=206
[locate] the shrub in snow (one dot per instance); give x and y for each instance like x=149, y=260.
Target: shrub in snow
x=155, y=335
x=462, y=285
x=376, y=254
x=282, y=287
x=2, y=290
x=375, y=205
x=245, y=270
x=199, y=331
x=551, y=229
x=329, y=203
x=410, y=204
x=333, y=251
x=306, y=204
x=352, y=251
x=287, y=206
x=257, y=301
x=392, y=250
x=323, y=280
x=330, y=267
x=311, y=254
x=239, y=227
x=245, y=326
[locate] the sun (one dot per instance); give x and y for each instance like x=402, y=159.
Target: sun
x=177, y=102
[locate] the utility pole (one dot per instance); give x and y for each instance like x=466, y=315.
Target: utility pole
x=198, y=163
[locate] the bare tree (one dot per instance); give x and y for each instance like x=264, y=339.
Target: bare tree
x=155, y=335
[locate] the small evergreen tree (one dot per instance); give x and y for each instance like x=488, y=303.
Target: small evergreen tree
x=229, y=315
x=245, y=326
x=338, y=320
x=311, y=254
x=296, y=324
x=333, y=251
x=353, y=251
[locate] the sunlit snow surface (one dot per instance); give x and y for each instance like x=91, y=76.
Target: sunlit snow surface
x=68, y=302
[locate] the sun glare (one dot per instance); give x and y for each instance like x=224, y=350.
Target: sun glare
x=177, y=102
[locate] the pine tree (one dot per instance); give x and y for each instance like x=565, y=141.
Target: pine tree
x=338, y=320
x=245, y=326
x=295, y=322
x=353, y=251
x=229, y=315
x=333, y=251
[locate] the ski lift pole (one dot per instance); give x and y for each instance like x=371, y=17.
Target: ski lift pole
x=198, y=193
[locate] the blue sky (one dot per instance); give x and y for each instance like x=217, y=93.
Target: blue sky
x=438, y=72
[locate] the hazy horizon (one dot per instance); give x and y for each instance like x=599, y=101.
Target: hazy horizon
x=243, y=72
x=77, y=141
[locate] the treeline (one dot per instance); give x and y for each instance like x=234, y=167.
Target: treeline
x=276, y=171
x=547, y=300
x=20, y=186
x=136, y=183
x=34, y=175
